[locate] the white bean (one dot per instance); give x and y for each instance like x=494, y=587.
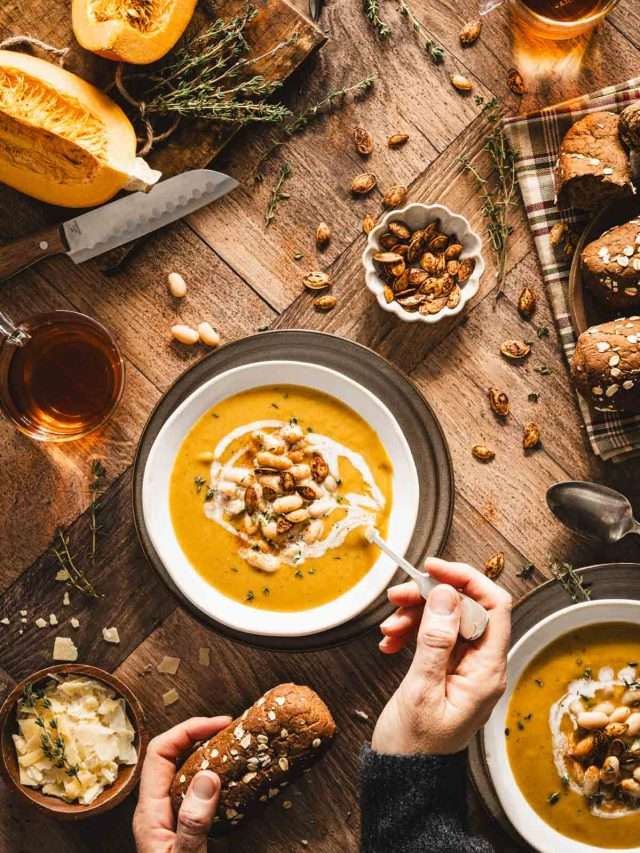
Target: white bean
x=288, y=503
x=631, y=697
x=298, y=515
x=272, y=460
x=269, y=529
x=592, y=720
x=227, y=488
x=249, y=525
x=291, y=433
x=300, y=472
x=605, y=708
x=270, y=481
x=267, y=441
x=235, y=507
x=206, y=456
x=242, y=476
x=313, y=532
x=330, y=483
x=319, y=508
x=208, y=335
x=311, y=484
x=177, y=285
x=620, y=715
x=633, y=724
x=184, y=334
x=591, y=781
x=264, y=562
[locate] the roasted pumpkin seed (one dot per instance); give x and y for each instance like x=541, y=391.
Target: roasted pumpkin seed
x=388, y=294
x=324, y=303
x=323, y=235
x=364, y=183
x=368, y=223
x=453, y=300
x=461, y=83
x=250, y=500
x=319, y=468
x=401, y=231
x=388, y=240
x=470, y=33
x=515, y=350
x=482, y=453
x=466, y=267
x=527, y=303
x=452, y=252
x=395, y=196
x=499, y=402
x=363, y=141
x=515, y=82
x=317, y=280
x=494, y=566
x=397, y=140
x=438, y=243
x=429, y=262
x=530, y=436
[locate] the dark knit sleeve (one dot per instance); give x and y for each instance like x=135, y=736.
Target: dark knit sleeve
x=415, y=804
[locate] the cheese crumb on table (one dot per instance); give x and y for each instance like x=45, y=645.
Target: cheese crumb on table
x=170, y=697
x=168, y=665
x=64, y=649
x=65, y=599
x=204, y=656
x=62, y=575
x=75, y=623
x=111, y=635
x=40, y=622
x=5, y=621
x=53, y=619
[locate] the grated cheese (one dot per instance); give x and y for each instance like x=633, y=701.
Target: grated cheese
x=111, y=635
x=168, y=665
x=204, y=656
x=64, y=649
x=170, y=697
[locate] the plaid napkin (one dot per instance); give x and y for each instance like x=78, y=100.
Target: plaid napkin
x=536, y=138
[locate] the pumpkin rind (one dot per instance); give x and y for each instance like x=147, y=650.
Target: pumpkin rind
x=136, y=31
x=61, y=139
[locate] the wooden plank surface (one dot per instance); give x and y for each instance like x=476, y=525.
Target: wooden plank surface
x=242, y=277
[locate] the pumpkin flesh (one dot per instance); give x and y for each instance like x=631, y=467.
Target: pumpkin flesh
x=136, y=31
x=61, y=139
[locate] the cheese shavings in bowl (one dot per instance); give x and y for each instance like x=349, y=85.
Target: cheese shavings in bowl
x=74, y=733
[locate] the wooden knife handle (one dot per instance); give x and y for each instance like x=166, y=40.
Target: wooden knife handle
x=21, y=254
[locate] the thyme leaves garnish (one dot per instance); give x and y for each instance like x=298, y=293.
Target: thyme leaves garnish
x=372, y=13
x=570, y=581
x=277, y=195
x=434, y=50
x=51, y=741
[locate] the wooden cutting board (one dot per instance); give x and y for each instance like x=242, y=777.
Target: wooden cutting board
x=195, y=143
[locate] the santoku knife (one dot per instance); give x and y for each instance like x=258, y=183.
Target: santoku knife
x=119, y=222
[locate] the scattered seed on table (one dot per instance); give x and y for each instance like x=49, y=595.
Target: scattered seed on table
x=184, y=334
x=177, y=285
x=208, y=335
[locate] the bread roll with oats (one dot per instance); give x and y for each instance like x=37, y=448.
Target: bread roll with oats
x=606, y=365
x=611, y=267
x=277, y=738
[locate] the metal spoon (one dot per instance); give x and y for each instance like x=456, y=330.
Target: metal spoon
x=473, y=617
x=593, y=510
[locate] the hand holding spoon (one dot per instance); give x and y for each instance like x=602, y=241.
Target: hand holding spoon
x=473, y=617
x=593, y=510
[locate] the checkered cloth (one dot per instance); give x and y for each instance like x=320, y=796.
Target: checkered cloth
x=536, y=139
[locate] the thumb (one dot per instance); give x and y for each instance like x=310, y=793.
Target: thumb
x=196, y=813
x=437, y=635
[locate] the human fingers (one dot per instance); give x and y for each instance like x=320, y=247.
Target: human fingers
x=437, y=637
x=160, y=763
x=468, y=580
x=196, y=813
x=392, y=645
x=402, y=620
x=405, y=595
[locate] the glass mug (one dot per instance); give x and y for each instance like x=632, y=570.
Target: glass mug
x=561, y=19
x=61, y=375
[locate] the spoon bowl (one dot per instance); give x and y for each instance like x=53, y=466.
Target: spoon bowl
x=593, y=510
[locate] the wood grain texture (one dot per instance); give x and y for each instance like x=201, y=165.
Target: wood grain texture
x=241, y=277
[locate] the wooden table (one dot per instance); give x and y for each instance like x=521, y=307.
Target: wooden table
x=244, y=277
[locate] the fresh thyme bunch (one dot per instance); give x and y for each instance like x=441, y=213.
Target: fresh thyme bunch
x=372, y=13
x=208, y=78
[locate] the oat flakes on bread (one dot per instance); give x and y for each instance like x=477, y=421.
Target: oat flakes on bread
x=277, y=738
x=611, y=267
x=593, y=165
x=606, y=365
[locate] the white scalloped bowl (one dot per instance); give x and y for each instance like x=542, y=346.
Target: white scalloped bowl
x=541, y=835
x=417, y=215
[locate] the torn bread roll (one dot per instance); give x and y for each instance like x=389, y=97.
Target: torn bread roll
x=283, y=733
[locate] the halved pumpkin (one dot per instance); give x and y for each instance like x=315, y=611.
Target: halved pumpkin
x=62, y=140
x=137, y=31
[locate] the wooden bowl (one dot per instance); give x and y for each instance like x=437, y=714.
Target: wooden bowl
x=584, y=309
x=127, y=777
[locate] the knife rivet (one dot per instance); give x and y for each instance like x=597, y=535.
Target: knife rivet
x=44, y=245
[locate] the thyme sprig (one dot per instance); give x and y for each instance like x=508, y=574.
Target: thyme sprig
x=372, y=13
x=308, y=115
x=570, y=581
x=51, y=741
x=277, y=195
x=433, y=49
x=499, y=199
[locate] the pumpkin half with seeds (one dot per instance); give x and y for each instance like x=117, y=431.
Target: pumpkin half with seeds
x=136, y=31
x=61, y=139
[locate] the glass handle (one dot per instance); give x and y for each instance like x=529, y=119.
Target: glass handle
x=11, y=333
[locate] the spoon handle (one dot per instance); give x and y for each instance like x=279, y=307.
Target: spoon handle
x=473, y=616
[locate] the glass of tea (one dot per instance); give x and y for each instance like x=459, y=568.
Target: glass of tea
x=561, y=19
x=61, y=375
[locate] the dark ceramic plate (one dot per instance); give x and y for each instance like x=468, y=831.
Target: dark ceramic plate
x=608, y=580
x=412, y=412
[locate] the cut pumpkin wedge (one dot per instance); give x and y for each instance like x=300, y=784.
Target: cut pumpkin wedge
x=62, y=140
x=136, y=31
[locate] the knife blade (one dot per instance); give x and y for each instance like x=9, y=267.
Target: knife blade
x=118, y=222
x=129, y=218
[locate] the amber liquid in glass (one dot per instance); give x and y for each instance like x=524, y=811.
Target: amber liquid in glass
x=65, y=381
x=565, y=10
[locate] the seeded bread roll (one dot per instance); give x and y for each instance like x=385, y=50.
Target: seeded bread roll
x=611, y=267
x=282, y=734
x=593, y=165
x=606, y=365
